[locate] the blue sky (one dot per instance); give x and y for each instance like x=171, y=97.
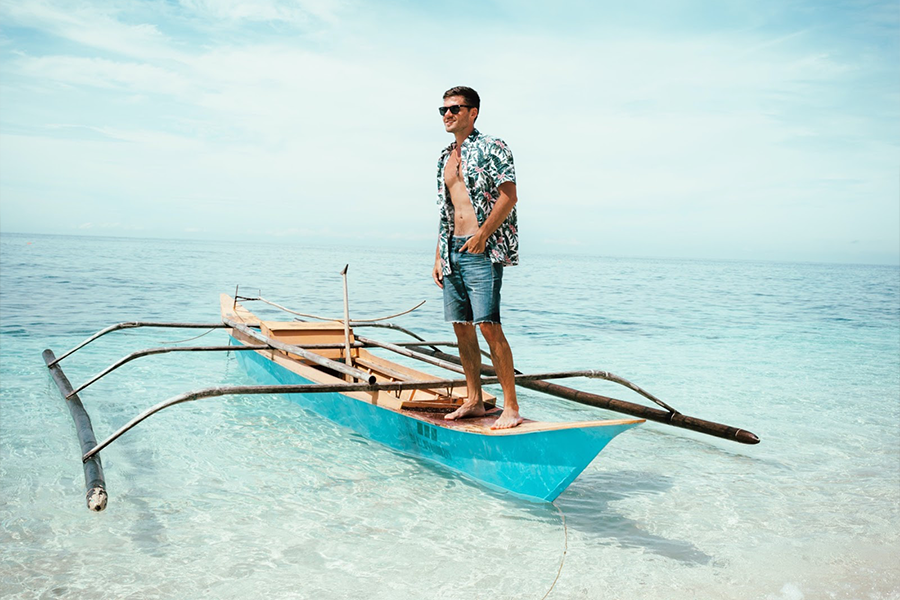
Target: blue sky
x=745, y=130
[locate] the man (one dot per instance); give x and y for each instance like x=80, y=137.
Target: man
x=478, y=236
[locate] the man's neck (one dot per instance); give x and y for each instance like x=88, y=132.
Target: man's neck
x=462, y=135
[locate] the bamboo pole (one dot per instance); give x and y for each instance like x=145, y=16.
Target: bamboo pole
x=347, y=358
x=94, y=482
x=675, y=418
x=299, y=351
x=153, y=351
x=132, y=324
x=429, y=357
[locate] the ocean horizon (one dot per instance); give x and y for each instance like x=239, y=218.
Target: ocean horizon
x=422, y=243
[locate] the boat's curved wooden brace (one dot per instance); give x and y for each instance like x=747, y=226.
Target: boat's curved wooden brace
x=454, y=366
x=153, y=351
x=675, y=418
x=133, y=324
x=431, y=345
x=318, y=388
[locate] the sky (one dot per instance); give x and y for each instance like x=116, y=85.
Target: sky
x=749, y=130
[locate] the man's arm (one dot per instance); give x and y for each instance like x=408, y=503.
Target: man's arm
x=501, y=210
x=437, y=273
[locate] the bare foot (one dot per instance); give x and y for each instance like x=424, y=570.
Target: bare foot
x=508, y=419
x=467, y=410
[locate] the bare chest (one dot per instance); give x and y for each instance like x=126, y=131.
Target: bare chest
x=464, y=214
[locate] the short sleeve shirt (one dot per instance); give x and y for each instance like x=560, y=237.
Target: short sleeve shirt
x=487, y=162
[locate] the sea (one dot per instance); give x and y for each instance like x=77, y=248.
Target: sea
x=255, y=497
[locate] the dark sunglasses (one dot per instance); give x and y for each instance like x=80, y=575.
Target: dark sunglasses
x=453, y=109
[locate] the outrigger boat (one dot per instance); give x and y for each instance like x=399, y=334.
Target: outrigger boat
x=329, y=368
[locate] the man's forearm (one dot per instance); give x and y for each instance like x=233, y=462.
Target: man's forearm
x=504, y=205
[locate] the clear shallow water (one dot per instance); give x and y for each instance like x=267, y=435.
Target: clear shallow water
x=223, y=498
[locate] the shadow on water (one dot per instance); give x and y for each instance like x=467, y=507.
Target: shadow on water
x=147, y=531
x=589, y=506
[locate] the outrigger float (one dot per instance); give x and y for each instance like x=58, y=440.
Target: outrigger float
x=327, y=367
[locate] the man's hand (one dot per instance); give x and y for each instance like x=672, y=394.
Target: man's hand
x=438, y=274
x=475, y=244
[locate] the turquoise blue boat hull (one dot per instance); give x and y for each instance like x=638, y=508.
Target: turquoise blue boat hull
x=536, y=465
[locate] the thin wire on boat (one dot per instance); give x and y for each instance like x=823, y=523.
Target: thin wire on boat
x=352, y=321
x=196, y=337
x=565, y=548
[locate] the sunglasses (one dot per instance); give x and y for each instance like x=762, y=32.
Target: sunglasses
x=453, y=109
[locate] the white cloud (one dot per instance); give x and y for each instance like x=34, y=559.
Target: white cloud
x=297, y=12
x=94, y=26
x=129, y=77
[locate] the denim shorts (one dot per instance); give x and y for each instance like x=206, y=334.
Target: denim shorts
x=472, y=289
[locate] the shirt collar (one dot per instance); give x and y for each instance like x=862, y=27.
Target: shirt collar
x=475, y=133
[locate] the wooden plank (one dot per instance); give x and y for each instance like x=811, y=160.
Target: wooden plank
x=306, y=354
x=302, y=326
x=303, y=334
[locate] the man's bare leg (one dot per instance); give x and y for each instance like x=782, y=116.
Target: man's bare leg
x=470, y=356
x=501, y=356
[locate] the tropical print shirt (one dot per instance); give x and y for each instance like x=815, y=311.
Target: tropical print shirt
x=487, y=162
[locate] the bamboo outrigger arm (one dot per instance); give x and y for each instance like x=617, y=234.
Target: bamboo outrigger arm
x=132, y=324
x=153, y=351
x=316, y=388
x=455, y=366
x=672, y=417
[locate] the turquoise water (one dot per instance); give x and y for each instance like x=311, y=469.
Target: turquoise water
x=238, y=496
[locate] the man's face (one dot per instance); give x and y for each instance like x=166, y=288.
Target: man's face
x=459, y=122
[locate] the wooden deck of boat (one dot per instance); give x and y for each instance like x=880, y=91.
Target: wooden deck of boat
x=482, y=425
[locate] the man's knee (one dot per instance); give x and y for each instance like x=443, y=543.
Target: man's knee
x=492, y=332
x=464, y=329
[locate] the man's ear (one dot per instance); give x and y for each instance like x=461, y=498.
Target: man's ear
x=475, y=113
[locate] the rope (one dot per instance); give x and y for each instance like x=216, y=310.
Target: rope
x=352, y=321
x=189, y=339
x=565, y=549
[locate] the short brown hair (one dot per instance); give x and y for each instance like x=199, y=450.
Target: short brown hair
x=470, y=95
